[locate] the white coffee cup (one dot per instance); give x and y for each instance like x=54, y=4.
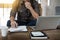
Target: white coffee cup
x=4, y=31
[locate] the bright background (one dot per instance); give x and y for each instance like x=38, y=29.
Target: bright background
x=6, y=6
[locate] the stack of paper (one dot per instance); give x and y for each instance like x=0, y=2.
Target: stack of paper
x=19, y=28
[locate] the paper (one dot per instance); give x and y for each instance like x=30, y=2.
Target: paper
x=19, y=28
x=37, y=34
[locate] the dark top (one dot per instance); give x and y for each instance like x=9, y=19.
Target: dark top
x=24, y=14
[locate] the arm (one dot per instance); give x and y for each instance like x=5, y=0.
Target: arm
x=12, y=15
x=35, y=13
x=12, y=18
x=14, y=10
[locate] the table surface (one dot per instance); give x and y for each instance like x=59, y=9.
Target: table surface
x=52, y=34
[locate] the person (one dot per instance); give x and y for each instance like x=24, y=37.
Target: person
x=27, y=13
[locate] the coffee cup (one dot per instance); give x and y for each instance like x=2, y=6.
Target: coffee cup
x=4, y=31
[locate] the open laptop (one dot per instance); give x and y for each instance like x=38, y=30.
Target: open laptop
x=47, y=22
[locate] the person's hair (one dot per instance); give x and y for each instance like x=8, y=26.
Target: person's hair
x=15, y=4
x=18, y=3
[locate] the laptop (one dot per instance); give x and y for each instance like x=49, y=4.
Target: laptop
x=47, y=22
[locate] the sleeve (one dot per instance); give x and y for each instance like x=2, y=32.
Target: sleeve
x=13, y=13
x=14, y=9
x=37, y=7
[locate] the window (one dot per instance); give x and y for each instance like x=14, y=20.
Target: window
x=5, y=8
x=48, y=3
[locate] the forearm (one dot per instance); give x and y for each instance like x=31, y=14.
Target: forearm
x=12, y=15
x=34, y=13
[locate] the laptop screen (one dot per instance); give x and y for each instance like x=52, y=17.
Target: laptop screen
x=47, y=22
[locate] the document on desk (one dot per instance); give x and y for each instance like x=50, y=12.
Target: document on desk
x=19, y=28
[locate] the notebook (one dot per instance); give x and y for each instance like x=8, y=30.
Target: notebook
x=18, y=29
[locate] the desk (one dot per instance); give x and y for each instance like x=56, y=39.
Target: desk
x=52, y=34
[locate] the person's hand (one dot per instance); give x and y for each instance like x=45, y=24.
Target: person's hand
x=13, y=24
x=28, y=5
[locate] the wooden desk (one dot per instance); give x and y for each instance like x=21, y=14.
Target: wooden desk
x=52, y=34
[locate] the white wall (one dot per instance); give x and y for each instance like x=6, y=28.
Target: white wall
x=51, y=9
x=4, y=17
x=57, y=2
x=44, y=7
